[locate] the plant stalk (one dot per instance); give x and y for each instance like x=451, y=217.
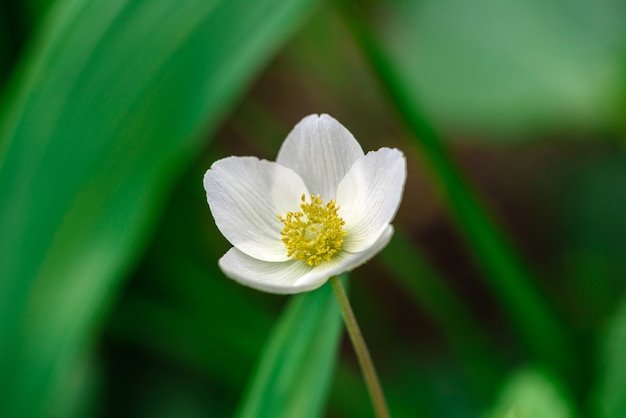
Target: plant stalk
x=362, y=353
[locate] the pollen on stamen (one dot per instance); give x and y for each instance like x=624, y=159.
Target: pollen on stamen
x=315, y=233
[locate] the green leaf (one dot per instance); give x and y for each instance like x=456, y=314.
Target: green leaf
x=113, y=103
x=295, y=369
x=531, y=393
x=611, y=390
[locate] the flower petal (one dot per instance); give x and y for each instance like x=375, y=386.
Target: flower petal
x=321, y=151
x=273, y=277
x=245, y=195
x=294, y=276
x=344, y=261
x=369, y=196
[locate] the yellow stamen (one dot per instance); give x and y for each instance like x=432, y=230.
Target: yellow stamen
x=315, y=233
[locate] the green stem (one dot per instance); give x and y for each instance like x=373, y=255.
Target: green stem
x=371, y=379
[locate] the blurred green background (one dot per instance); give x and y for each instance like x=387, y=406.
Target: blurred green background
x=501, y=294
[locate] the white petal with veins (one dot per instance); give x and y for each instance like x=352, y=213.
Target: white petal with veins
x=245, y=195
x=274, y=277
x=321, y=151
x=369, y=196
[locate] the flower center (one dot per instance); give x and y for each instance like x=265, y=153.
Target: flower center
x=315, y=233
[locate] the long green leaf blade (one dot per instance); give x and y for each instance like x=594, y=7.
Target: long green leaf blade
x=111, y=106
x=295, y=370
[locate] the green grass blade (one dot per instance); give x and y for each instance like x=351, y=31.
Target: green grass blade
x=294, y=374
x=112, y=104
x=537, y=324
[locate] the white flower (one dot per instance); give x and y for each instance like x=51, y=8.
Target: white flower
x=323, y=208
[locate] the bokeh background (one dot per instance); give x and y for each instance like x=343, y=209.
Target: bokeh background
x=501, y=294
